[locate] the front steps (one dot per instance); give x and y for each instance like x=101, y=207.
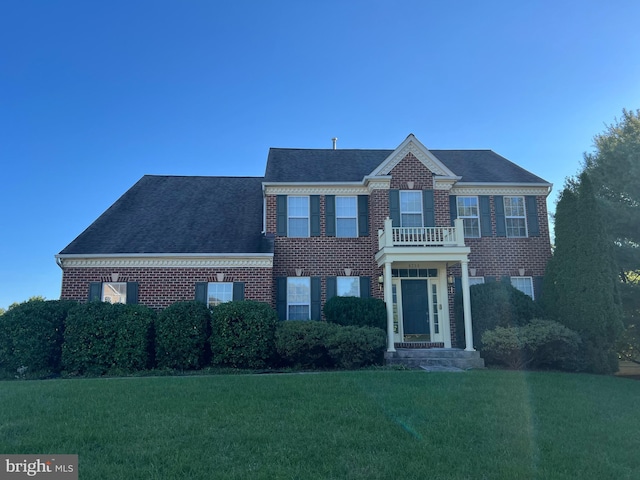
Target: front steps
x=434, y=357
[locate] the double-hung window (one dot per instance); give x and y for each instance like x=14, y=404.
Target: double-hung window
x=346, y=217
x=298, y=298
x=515, y=217
x=411, y=209
x=348, y=286
x=114, y=292
x=219, y=292
x=469, y=213
x=298, y=208
x=524, y=284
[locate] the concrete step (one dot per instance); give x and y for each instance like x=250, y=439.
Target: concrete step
x=435, y=357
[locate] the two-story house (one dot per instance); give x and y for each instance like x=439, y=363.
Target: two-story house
x=410, y=226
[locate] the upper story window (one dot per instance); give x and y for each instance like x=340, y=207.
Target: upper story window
x=298, y=220
x=346, y=217
x=467, y=210
x=515, y=217
x=411, y=209
x=219, y=292
x=114, y=292
x=348, y=286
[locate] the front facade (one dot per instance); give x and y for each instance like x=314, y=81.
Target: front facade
x=410, y=226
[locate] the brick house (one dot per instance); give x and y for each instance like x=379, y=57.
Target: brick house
x=410, y=226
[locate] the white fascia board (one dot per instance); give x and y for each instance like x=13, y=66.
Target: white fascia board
x=141, y=260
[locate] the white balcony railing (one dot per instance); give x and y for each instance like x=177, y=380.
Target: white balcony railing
x=420, y=236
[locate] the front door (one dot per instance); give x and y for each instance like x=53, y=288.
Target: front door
x=415, y=310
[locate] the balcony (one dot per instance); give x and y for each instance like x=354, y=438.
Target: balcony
x=421, y=236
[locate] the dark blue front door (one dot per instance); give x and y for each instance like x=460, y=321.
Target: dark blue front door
x=415, y=307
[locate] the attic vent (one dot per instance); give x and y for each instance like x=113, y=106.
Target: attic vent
x=335, y=141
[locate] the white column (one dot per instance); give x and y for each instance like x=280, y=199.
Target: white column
x=388, y=299
x=466, y=306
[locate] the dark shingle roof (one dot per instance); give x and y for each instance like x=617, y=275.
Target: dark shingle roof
x=327, y=165
x=167, y=214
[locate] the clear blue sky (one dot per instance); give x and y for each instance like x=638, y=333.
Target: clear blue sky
x=93, y=95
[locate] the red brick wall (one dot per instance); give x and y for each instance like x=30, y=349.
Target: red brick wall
x=159, y=287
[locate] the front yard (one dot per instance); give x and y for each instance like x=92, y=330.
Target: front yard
x=354, y=425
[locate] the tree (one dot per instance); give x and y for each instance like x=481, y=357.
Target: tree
x=614, y=167
x=580, y=287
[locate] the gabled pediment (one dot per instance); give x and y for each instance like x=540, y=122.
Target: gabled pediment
x=412, y=145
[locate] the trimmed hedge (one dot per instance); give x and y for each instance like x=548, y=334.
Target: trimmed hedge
x=494, y=304
x=369, y=312
x=181, y=336
x=104, y=338
x=541, y=343
x=31, y=336
x=316, y=344
x=243, y=334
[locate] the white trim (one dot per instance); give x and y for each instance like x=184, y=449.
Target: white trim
x=195, y=260
x=412, y=145
x=470, y=189
x=365, y=187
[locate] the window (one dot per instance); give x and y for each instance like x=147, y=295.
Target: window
x=298, y=298
x=524, y=284
x=515, y=218
x=114, y=292
x=410, y=209
x=346, y=217
x=298, y=208
x=476, y=281
x=219, y=292
x=468, y=211
x=348, y=286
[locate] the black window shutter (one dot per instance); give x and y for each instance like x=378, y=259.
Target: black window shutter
x=365, y=287
x=132, y=293
x=485, y=216
x=201, y=292
x=501, y=228
x=332, y=287
x=537, y=287
x=453, y=208
x=457, y=285
x=429, y=209
x=281, y=215
x=238, y=291
x=363, y=215
x=314, y=203
x=532, y=216
x=489, y=278
x=281, y=297
x=315, y=298
x=95, y=291
x=394, y=207
x=330, y=215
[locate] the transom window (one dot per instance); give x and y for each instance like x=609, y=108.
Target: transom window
x=469, y=213
x=348, y=286
x=114, y=292
x=515, y=217
x=524, y=284
x=298, y=298
x=346, y=217
x=219, y=292
x=411, y=209
x=298, y=209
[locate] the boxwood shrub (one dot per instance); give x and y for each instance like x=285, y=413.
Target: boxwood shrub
x=356, y=311
x=316, y=345
x=182, y=332
x=243, y=334
x=104, y=338
x=31, y=336
x=539, y=344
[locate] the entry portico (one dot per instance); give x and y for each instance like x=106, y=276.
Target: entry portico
x=415, y=261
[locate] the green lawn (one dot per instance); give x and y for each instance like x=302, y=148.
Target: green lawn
x=369, y=424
